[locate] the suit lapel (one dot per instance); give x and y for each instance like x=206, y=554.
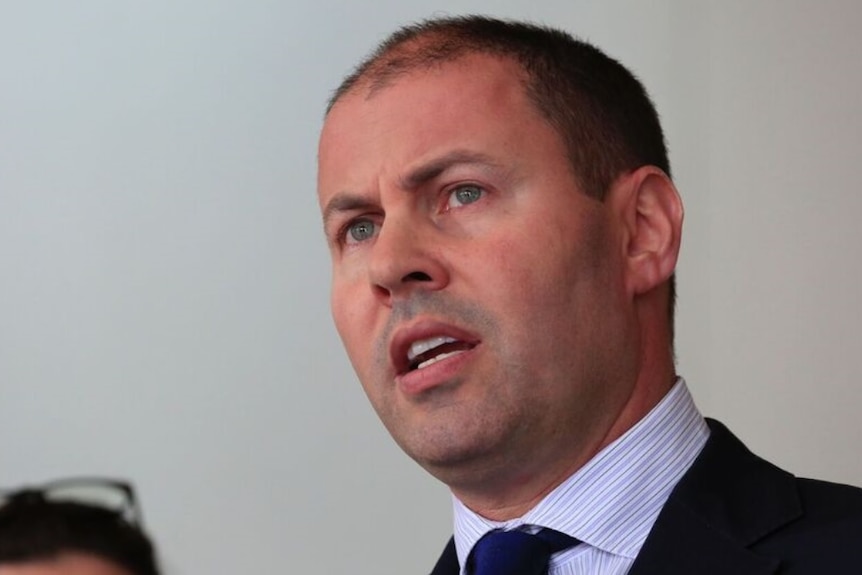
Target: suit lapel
x=729, y=500
x=448, y=562
x=682, y=544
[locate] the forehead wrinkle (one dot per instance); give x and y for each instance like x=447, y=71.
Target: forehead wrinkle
x=437, y=166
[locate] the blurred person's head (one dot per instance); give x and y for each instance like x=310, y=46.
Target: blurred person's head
x=41, y=534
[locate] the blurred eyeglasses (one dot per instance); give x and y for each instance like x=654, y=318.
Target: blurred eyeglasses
x=111, y=494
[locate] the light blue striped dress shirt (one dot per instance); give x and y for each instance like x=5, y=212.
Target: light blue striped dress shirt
x=612, y=502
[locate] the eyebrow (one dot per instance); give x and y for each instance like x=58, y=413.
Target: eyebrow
x=344, y=202
x=347, y=202
x=432, y=169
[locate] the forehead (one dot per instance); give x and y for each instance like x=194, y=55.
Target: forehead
x=395, y=72
x=71, y=563
x=477, y=101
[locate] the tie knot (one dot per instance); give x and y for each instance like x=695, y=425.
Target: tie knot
x=516, y=552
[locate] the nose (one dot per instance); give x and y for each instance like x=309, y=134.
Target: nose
x=405, y=258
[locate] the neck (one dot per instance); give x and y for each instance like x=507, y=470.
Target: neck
x=508, y=489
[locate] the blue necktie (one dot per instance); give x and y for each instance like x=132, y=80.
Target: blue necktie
x=516, y=552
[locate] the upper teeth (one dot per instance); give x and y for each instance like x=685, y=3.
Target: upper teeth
x=423, y=345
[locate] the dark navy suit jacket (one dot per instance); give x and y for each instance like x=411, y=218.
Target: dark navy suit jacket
x=735, y=514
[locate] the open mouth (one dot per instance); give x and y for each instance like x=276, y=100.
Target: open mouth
x=429, y=351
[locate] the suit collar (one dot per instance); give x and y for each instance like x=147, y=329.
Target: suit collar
x=726, y=502
x=448, y=562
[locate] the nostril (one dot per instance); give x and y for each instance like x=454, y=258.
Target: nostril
x=416, y=277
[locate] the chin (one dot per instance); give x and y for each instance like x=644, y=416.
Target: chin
x=453, y=457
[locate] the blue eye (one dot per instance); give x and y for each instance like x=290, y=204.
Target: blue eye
x=359, y=231
x=463, y=195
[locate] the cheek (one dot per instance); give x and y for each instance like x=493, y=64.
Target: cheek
x=549, y=281
x=523, y=273
x=346, y=313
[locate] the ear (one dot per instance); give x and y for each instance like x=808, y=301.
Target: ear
x=651, y=213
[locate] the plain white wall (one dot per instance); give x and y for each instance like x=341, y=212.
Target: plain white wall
x=164, y=281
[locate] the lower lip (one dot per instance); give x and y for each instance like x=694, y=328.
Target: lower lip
x=437, y=374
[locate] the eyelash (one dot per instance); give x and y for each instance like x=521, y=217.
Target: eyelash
x=452, y=191
x=344, y=231
x=449, y=193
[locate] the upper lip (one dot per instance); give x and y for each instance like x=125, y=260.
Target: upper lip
x=405, y=336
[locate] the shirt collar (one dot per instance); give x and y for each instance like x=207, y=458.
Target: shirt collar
x=612, y=501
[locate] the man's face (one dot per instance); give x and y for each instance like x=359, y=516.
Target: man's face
x=477, y=290
x=65, y=564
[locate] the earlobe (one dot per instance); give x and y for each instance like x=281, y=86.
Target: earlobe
x=652, y=215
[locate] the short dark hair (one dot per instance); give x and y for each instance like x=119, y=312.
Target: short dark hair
x=33, y=529
x=599, y=108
